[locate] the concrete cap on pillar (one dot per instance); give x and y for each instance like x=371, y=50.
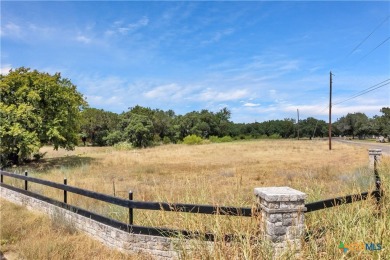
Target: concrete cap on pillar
x=280, y=194
x=375, y=151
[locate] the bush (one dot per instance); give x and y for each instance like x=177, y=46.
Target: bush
x=274, y=136
x=214, y=139
x=113, y=138
x=123, y=146
x=226, y=139
x=192, y=139
x=156, y=139
x=167, y=140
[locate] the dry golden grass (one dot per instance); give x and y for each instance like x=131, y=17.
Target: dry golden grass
x=226, y=170
x=222, y=174
x=29, y=235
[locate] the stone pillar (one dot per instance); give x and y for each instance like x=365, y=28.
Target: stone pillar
x=372, y=153
x=282, y=217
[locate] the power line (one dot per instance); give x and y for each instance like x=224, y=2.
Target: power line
x=368, y=36
x=360, y=93
x=367, y=90
x=373, y=86
x=388, y=38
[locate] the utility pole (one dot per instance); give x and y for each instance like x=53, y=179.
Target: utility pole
x=330, y=111
x=298, y=122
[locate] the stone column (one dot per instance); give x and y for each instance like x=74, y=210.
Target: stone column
x=372, y=153
x=282, y=217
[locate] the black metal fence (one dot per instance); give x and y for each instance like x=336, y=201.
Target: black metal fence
x=175, y=207
x=377, y=193
x=127, y=203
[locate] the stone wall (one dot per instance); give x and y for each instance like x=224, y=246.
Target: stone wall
x=281, y=224
x=157, y=247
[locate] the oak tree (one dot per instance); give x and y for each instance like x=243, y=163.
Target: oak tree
x=37, y=108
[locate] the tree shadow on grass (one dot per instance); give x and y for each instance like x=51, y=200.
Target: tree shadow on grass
x=44, y=165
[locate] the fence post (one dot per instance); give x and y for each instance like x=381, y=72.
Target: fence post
x=1, y=178
x=25, y=182
x=372, y=155
x=282, y=218
x=131, y=216
x=65, y=192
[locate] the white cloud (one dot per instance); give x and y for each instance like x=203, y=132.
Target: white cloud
x=164, y=92
x=214, y=95
x=42, y=30
x=144, y=21
x=249, y=104
x=119, y=27
x=364, y=108
x=219, y=35
x=11, y=29
x=309, y=110
x=99, y=101
x=106, y=85
x=5, y=68
x=83, y=39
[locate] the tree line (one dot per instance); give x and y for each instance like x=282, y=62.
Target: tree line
x=37, y=109
x=143, y=126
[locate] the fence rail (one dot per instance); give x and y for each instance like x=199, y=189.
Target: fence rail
x=131, y=204
x=178, y=207
x=377, y=194
x=164, y=206
x=339, y=201
x=136, y=229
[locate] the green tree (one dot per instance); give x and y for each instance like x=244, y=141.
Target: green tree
x=139, y=131
x=384, y=122
x=37, y=108
x=96, y=124
x=356, y=124
x=311, y=127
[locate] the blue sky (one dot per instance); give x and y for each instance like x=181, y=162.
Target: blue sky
x=262, y=60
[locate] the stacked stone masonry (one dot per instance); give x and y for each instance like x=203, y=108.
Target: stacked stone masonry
x=282, y=217
x=281, y=223
x=157, y=247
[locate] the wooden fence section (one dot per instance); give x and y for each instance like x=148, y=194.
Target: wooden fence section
x=131, y=204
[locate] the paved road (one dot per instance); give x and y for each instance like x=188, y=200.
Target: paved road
x=385, y=147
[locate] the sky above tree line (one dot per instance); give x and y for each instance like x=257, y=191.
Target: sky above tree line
x=261, y=60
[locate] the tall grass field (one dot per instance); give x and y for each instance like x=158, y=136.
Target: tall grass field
x=222, y=174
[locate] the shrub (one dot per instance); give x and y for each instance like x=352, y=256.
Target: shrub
x=113, y=138
x=205, y=141
x=274, y=136
x=192, y=139
x=167, y=140
x=156, y=139
x=123, y=146
x=214, y=139
x=226, y=139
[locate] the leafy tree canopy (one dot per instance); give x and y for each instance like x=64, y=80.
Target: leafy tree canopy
x=37, y=108
x=96, y=124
